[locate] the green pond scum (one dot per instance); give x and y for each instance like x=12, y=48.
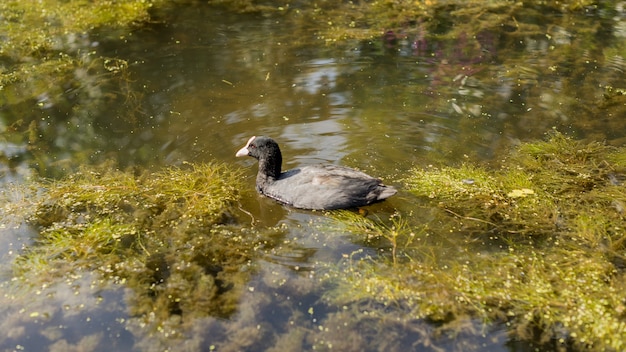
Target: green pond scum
x=170, y=237
x=535, y=243
x=50, y=66
x=541, y=247
x=50, y=39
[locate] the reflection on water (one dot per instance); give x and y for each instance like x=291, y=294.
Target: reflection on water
x=207, y=81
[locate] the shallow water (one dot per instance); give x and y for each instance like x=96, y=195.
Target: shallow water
x=208, y=80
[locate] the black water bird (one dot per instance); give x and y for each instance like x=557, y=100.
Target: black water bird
x=314, y=186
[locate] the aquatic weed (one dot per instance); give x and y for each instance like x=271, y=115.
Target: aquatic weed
x=539, y=247
x=396, y=232
x=170, y=236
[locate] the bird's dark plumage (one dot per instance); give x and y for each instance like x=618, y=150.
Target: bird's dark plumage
x=314, y=186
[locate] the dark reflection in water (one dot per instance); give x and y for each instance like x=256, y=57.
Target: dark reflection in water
x=209, y=88
x=208, y=80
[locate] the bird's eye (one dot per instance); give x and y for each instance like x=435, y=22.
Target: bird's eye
x=252, y=146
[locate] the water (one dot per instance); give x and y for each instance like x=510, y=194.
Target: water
x=205, y=81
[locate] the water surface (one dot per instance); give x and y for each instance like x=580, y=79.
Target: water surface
x=206, y=80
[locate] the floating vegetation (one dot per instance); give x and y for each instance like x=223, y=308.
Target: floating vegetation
x=537, y=246
x=542, y=248
x=54, y=42
x=170, y=237
x=48, y=54
x=52, y=70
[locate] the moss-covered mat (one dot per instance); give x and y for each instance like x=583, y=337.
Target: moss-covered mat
x=168, y=236
x=538, y=245
x=535, y=247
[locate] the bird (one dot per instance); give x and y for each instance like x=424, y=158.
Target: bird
x=315, y=187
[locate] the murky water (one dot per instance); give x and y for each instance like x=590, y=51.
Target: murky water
x=207, y=81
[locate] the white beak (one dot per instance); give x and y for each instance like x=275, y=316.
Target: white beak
x=244, y=151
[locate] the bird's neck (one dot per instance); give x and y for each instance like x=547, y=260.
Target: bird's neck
x=269, y=170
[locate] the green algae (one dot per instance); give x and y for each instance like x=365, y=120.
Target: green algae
x=507, y=206
x=51, y=67
x=171, y=237
x=41, y=40
x=540, y=247
x=447, y=19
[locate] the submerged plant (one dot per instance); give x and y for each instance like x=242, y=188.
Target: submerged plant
x=171, y=237
x=397, y=232
x=542, y=247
